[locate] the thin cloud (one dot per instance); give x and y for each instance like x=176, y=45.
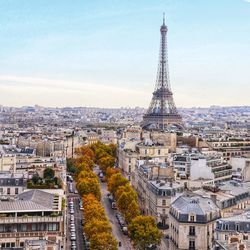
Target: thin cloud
x=68, y=85
x=19, y=91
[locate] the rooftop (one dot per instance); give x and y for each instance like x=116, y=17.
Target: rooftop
x=30, y=201
x=194, y=204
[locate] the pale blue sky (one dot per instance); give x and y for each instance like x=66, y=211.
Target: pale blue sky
x=105, y=53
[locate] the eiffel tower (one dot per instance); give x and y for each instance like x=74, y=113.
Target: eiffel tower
x=162, y=113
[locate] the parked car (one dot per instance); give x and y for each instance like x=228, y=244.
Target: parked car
x=113, y=205
x=73, y=237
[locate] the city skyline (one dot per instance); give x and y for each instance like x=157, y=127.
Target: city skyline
x=84, y=53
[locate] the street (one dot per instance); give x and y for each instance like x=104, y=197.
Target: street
x=77, y=221
x=126, y=244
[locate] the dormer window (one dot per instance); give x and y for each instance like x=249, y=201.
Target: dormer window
x=192, y=217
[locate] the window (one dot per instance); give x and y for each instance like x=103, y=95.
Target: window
x=163, y=211
x=191, y=244
x=23, y=227
x=8, y=190
x=163, y=202
x=226, y=237
x=191, y=230
x=192, y=218
x=159, y=151
x=129, y=160
x=16, y=190
x=1, y=190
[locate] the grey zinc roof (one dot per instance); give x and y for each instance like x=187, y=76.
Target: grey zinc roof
x=33, y=200
x=244, y=217
x=194, y=204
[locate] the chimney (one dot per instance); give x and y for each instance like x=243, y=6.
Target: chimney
x=213, y=197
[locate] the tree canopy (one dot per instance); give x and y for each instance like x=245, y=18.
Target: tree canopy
x=143, y=232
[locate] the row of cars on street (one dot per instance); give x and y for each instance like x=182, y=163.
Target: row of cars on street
x=85, y=239
x=122, y=223
x=72, y=225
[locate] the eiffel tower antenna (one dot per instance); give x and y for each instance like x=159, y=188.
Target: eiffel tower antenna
x=162, y=112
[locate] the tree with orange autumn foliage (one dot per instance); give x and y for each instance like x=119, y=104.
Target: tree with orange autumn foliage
x=85, y=150
x=106, y=162
x=97, y=226
x=128, y=189
x=89, y=185
x=110, y=171
x=103, y=241
x=115, y=181
x=144, y=232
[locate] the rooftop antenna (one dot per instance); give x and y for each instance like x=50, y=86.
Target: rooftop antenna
x=163, y=18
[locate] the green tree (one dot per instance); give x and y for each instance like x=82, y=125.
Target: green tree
x=35, y=178
x=71, y=168
x=144, y=232
x=48, y=173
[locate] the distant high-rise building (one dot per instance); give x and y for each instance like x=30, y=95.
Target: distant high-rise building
x=162, y=112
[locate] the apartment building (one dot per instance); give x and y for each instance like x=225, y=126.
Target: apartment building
x=208, y=165
x=230, y=147
x=131, y=150
x=108, y=136
x=12, y=184
x=192, y=222
x=241, y=167
x=34, y=215
x=231, y=197
x=233, y=232
x=153, y=183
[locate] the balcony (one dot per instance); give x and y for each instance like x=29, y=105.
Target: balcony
x=40, y=234
x=192, y=234
x=22, y=234
x=30, y=219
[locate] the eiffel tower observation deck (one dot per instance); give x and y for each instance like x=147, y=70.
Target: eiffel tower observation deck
x=162, y=113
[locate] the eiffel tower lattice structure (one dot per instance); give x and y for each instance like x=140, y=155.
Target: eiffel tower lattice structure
x=162, y=113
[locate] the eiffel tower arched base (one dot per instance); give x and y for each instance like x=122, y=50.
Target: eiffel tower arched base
x=166, y=122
